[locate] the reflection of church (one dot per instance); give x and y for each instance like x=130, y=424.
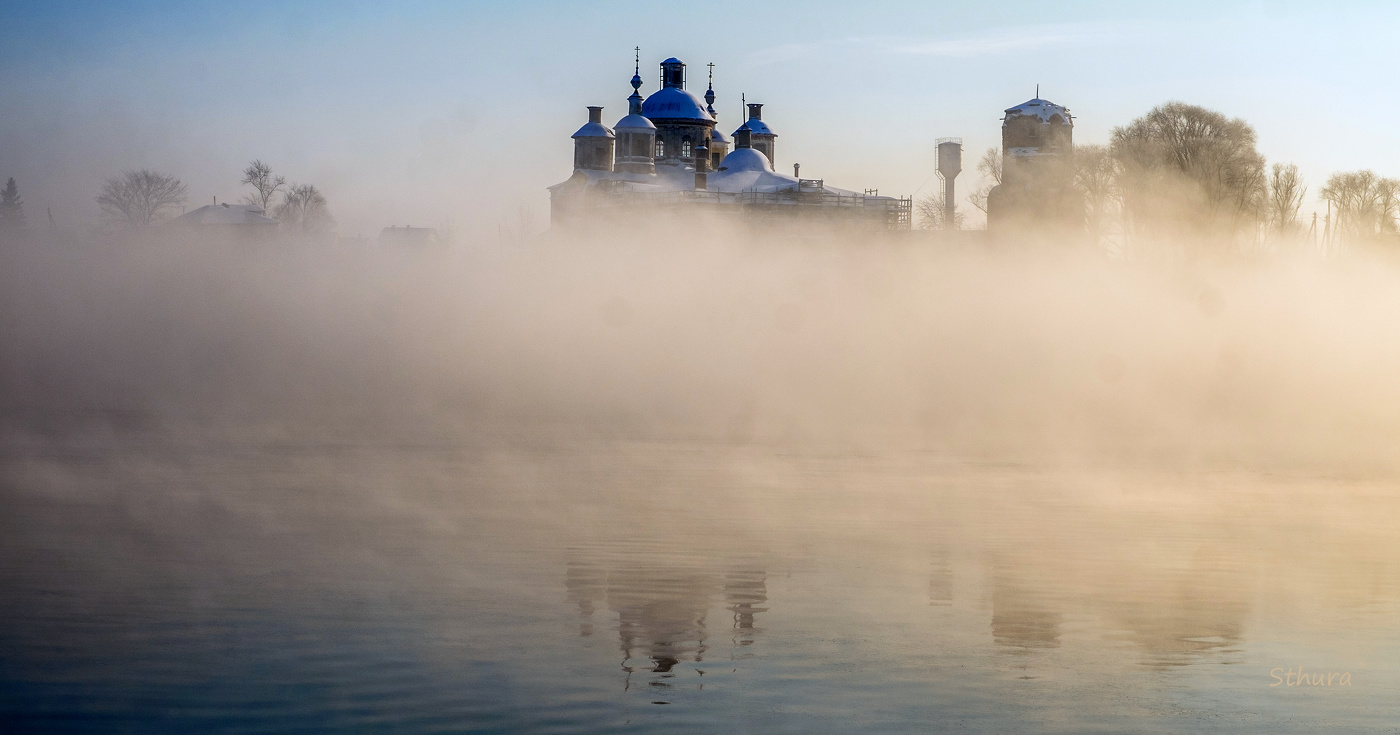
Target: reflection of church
x=669, y=152
x=663, y=610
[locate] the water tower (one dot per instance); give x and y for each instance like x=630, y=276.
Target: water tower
x=949, y=163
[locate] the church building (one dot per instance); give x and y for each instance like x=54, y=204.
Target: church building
x=1037, y=170
x=668, y=151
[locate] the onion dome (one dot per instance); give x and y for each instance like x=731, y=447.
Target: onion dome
x=745, y=159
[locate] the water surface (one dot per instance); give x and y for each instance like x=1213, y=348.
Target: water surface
x=621, y=586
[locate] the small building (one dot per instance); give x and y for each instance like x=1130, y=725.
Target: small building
x=393, y=236
x=243, y=221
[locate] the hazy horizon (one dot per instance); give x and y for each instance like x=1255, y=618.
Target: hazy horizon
x=744, y=459
x=458, y=116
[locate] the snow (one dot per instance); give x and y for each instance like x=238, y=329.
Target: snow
x=756, y=127
x=674, y=103
x=633, y=122
x=1043, y=109
x=594, y=130
x=746, y=159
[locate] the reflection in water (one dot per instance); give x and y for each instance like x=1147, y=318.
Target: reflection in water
x=586, y=584
x=1021, y=617
x=940, y=578
x=745, y=591
x=663, y=605
x=1179, y=615
x=1054, y=613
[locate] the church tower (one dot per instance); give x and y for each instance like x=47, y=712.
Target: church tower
x=755, y=133
x=1036, y=192
x=719, y=145
x=682, y=122
x=636, y=135
x=593, y=144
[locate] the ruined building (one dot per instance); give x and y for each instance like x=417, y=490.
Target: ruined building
x=668, y=153
x=1037, y=176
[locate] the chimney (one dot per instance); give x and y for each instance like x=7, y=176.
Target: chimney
x=595, y=114
x=755, y=110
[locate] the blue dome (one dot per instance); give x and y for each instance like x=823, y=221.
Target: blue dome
x=634, y=122
x=674, y=103
x=673, y=60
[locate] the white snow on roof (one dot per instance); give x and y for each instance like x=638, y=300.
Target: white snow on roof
x=1043, y=109
x=632, y=122
x=674, y=103
x=593, y=130
x=743, y=170
x=226, y=214
x=756, y=127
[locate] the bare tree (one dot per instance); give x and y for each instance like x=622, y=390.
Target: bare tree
x=989, y=165
x=259, y=176
x=1185, y=167
x=303, y=210
x=1096, y=175
x=138, y=198
x=1364, y=205
x=933, y=215
x=1286, y=191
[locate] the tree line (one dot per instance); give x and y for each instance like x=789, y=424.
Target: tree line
x=144, y=197
x=1186, y=174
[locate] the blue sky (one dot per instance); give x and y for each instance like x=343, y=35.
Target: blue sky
x=460, y=113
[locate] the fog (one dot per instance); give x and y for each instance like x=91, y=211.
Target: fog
x=712, y=332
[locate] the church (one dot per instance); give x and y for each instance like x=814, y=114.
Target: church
x=1037, y=190
x=668, y=152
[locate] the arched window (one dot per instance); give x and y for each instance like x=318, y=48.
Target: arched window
x=660, y=148
x=685, y=147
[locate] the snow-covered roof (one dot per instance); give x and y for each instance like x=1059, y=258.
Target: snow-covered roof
x=756, y=126
x=717, y=137
x=1043, y=109
x=746, y=169
x=674, y=103
x=632, y=122
x=226, y=214
x=594, y=130
x=745, y=159
x=743, y=170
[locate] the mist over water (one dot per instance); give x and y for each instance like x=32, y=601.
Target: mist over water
x=740, y=479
